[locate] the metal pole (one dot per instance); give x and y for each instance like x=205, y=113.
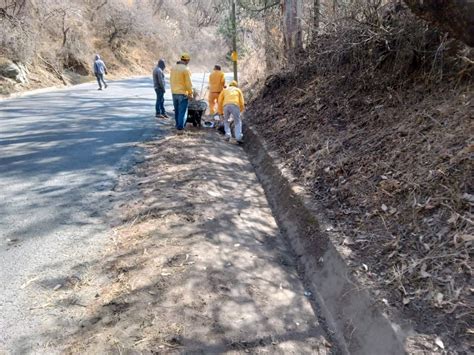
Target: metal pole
x=234, y=38
x=202, y=85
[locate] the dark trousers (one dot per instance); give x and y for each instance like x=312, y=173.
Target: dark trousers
x=100, y=79
x=180, y=103
x=160, y=102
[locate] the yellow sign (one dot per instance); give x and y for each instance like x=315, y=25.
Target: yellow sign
x=234, y=56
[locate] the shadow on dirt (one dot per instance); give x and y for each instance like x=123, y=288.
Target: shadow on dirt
x=198, y=264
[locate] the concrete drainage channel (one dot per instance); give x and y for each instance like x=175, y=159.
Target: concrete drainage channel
x=350, y=314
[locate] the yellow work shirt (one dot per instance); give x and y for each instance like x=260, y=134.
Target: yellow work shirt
x=231, y=96
x=180, y=80
x=216, y=81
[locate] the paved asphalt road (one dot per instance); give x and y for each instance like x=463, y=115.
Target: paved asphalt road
x=60, y=154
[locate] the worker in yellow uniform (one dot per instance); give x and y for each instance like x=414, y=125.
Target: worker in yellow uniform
x=182, y=90
x=231, y=103
x=216, y=85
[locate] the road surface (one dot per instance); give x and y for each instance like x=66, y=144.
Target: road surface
x=201, y=266
x=60, y=154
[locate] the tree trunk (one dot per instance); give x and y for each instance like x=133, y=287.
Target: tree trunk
x=268, y=39
x=273, y=41
x=292, y=31
x=316, y=10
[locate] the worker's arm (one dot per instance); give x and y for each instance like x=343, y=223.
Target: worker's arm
x=160, y=80
x=155, y=78
x=188, y=84
x=220, y=103
x=222, y=81
x=241, y=101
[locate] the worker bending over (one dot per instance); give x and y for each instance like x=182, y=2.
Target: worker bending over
x=216, y=85
x=231, y=103
x=182, y=89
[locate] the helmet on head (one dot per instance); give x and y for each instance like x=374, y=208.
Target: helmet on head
x=185, y=56
x=233, y=83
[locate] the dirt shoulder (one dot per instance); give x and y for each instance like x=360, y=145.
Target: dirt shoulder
x=197, y=263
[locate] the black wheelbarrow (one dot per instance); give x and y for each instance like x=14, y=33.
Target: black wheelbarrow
x=196, y=108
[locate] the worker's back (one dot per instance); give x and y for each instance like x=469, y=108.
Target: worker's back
x=180, y=80
x=216, y=81
x=231, y=96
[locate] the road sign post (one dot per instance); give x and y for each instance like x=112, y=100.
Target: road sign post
x=234, y=56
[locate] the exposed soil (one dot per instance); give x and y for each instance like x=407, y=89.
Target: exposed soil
x=389, y=159
x=197, y=264
x=41, y=78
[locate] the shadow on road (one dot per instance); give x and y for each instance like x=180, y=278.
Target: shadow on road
x=58, y=148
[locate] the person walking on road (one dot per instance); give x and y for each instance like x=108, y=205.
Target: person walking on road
x=99, y=71
x=216, y=85
x=231, y=103
x=182, y=90
x=160, y=89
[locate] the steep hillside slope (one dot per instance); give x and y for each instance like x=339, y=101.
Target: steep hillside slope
x=54, y=42
x=377, y=124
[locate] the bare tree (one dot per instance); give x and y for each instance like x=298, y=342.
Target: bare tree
x=157, y=5
x=17, y=35
x=12, y=8
x=316, y=11
x=292, y=32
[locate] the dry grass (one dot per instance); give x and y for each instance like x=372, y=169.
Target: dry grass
x=130, y=36
x=377, y=124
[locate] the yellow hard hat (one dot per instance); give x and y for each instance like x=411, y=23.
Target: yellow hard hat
x=185, y=56
x=233, y=83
